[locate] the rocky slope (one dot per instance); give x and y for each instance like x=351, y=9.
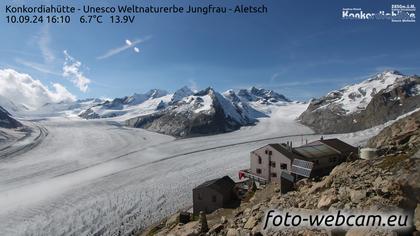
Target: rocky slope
x=6, y=121
x=403, y=134
x=386, y=184
x=375, y=101
x=187, y=113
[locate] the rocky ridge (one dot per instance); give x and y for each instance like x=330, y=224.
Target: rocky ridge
x=6, y=121
x=379, y=99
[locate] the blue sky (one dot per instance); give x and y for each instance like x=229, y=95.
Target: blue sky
x=299, y=48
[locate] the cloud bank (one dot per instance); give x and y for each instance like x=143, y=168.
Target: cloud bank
x=72, y=71
x=23, y=89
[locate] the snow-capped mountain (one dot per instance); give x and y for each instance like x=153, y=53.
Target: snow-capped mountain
x=6, y=121
x=64, y=108
x=260, y=100
x=378, y=99
x=261, y=95
x=356, y=97
x=140, y=98
x=186, y=113
x=205, y=112
x=180, y=94
x=12, y=107
x=130, y=106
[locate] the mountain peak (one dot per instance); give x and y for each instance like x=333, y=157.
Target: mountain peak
x=156, y=93
x=207, y=91
x=261, y=94
x=180, y=94
x=231, y=95
x=390, y=72
x=184, y=89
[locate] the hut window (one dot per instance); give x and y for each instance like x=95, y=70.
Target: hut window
x=258, y=171
x=273, y=164
x=259, y=160
x=213, y=198
x=199, y=197
x=283, y=166
x=274, y=175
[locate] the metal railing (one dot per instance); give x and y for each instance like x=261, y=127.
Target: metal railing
x=248, y=174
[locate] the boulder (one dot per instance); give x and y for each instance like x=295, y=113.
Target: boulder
x=216, y=228
x=357, y=196
x=233, y=232
x=250, y=223
x=326, y=200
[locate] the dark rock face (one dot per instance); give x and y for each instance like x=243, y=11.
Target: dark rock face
x=89, y=114
x=186, y=122
x=325, y=116
x=6, y=121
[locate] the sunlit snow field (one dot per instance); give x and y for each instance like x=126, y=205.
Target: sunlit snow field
x=88, y=177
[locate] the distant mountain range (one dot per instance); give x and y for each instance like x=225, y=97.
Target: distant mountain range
x=381, y=98
x=186, y=113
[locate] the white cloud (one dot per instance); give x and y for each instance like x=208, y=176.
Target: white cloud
x=128, y=44
x=274, y=77
x=193, y=85
x=71, y=70
x=23, y=89
x=38, y=67
x=44, y=44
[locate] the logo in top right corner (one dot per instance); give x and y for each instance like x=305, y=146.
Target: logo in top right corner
x=399, y=13
x=403, y=13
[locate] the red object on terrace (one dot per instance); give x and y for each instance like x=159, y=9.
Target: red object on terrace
x=241, y=174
